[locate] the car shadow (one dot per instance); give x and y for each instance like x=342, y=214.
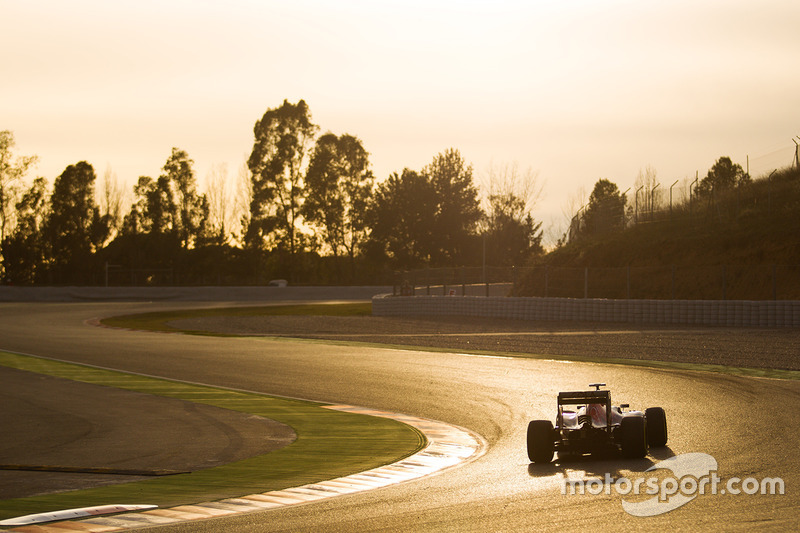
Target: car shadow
x=597, y=466
x=664, y=452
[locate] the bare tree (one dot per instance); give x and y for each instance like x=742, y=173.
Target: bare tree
x=12, y=171
x=553, y=233
x=571, y=211
x=682, y=191
x=508, y=179
x=243, y=197
x=511, y=234
x=649, y=198
x=219, y=200
x=112, y=198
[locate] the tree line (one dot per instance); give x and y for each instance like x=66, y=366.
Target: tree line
x=608, y=210
x=315, y=214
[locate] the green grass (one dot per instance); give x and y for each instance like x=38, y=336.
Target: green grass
x=330, y=444
x=157, y=321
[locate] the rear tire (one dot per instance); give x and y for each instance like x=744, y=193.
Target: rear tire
x=541, y=443
x=634, y=437
x=656, y=427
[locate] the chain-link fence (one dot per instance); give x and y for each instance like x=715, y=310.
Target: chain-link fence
x=117, y=276
x=458, y=281
x=718, y=282
x=759, y=199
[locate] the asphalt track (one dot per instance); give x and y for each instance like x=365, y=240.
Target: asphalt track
x=748, y=425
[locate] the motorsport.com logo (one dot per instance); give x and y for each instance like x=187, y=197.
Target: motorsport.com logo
x=693, y=474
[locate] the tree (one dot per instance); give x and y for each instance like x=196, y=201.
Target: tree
x=338, y=189
x=243, y=197
x=277, y=164
x=170, y=205
x=511, y=236
x=12, y=170
x=154, y=210
x=456, y=207
x=426, y=218
x=606, y=209
x=647, y=193
x=111, y=199
x=724, y=175
x=192, y=209
x=510, y=232
x=402, y=216
x=150, y=236
x=75, y=226
x=219, y=207
x=25, y=251
x=571, y=210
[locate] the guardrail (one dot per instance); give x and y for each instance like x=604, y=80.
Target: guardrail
x=731, y=313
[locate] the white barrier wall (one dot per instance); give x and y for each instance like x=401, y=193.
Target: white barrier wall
x=733, y=313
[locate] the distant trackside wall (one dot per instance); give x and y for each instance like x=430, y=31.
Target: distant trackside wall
x=733, y=313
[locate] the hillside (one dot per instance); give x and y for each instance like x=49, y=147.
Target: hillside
x=744, y=244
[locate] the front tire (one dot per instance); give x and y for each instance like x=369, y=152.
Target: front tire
x=634, y=437
x=541, y=443
x=656, y=427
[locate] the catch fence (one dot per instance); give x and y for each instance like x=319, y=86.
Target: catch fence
x=672, y=282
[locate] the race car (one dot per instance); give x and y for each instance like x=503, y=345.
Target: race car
x=586, y=422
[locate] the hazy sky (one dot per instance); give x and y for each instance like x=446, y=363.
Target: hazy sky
x=574, y=90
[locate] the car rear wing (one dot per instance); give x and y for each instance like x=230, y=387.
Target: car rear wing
x=584, y=397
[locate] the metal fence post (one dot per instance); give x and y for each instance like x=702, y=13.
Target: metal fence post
x=586, y=282
x=774, y=282
x=724, y=282
x=628, y=281
x=670, y=198
x=428, y=281
x=546, y=280
x=769, y=193
x=673, y=282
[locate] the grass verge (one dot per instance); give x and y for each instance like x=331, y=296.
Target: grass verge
x=330, y=444
x=157, y=321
